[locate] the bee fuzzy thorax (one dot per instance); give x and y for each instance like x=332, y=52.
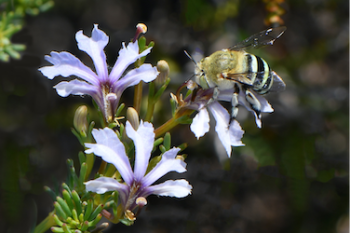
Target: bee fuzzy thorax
x=220, y=63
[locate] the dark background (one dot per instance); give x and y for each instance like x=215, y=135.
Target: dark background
x=292, y=175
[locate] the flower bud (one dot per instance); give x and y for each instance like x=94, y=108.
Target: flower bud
x=80, y=120
x=133, y=117
x=163, y=68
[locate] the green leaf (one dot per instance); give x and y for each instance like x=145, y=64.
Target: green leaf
x=77, y=202
x=83, y=170
x=167, y=141
x=88, y=210
x=64, y=206
x=153, y=163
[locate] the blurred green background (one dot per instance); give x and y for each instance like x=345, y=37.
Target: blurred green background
x=292, y=175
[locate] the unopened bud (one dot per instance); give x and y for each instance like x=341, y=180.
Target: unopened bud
x=163, y=68
x=133, y=117
x=80, y=120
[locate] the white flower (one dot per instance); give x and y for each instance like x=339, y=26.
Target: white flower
x=230, y=134
x=104, y=88
x=136, y=183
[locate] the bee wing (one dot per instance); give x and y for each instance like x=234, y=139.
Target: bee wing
x=278, y=84
x=260, y=39
x=244, y=78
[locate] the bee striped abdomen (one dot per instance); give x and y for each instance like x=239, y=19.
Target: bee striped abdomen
x=252, y=63
x=263, y=78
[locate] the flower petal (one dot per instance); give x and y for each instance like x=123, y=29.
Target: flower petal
x=265, y=105
x=170, y=188
x=146, y=73
x=94, y=48
x=127, y=56
x=66, y=64
x=200, y=123
x=105, y=184
x=111, y=150
x=143, y=139
x=76, y=87
x=167, y=164
x=236, y=133
x=227, y=137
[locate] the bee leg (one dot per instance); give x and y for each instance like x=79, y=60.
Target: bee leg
x=215, y=95
x=234, y=102
x=254, y=103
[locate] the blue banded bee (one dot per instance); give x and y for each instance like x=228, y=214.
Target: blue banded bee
x=234, y=69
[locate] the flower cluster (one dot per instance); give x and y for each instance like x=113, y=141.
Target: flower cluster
x=128, y=172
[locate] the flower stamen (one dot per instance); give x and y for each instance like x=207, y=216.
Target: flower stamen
x=140, y=29
x=130, y=215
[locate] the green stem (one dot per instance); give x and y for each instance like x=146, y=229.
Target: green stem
x=150, y=110
x=151, y=102
x=102, y=167
x=138, y=97
x=166, y=127
x=110, y=170
x=45, y=224
x=90, y=159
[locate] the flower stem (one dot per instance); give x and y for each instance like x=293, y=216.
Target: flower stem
x=138, y=97
x=45, y=224
x=102, y=167
x=177, y=119
x=150, y=110
x=90, y=159
x=151, y=102
x=165, y=127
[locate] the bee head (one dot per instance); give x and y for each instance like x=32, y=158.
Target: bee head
x=198, y=70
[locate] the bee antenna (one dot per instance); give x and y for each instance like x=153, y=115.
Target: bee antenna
x=190, y=77
x=190, y=57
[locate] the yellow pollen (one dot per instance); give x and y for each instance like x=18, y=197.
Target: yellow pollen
x=130, y=215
